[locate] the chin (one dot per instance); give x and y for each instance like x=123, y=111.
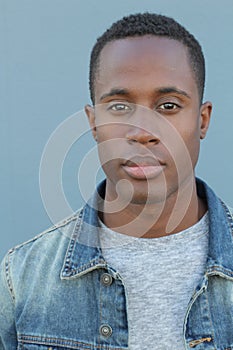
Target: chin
x=143, y=198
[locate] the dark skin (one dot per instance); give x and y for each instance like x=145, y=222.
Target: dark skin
x=148, y=122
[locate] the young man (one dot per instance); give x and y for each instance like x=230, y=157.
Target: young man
x=147, y=263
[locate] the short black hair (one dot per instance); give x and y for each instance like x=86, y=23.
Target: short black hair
x=142, y=24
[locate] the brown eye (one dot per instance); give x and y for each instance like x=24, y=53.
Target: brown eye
x=118, y=107
x=169, y=106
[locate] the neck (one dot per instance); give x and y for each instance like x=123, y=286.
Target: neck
x=176, y=213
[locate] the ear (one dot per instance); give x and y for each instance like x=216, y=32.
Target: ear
x=205, y=114
x=90, y=112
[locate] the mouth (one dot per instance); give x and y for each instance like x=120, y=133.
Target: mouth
x=143, y=168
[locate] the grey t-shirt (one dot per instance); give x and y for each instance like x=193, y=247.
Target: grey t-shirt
x=160, y=276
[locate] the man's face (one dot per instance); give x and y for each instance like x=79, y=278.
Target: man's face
x=147, y=117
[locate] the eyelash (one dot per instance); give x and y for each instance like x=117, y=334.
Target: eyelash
x=119, y=104
x=171, y=104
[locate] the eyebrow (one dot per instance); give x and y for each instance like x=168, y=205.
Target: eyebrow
x=162, y=90
x=172, y=89
x=114, y=92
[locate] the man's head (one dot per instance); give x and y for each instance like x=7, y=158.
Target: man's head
x=147, y=113
x=150, y=24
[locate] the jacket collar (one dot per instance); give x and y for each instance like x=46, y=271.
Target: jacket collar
x=220, y=253
x=84, y=253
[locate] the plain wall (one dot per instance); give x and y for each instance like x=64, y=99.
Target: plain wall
x=44, y=57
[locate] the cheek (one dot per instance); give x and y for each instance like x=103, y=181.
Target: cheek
x=184, y=142
x=111, y=142
x=112, y=131
x=191, y=139
x=111, y=169
x=110, y=149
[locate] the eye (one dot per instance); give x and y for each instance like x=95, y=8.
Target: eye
x=169, y=106
x=119, y=107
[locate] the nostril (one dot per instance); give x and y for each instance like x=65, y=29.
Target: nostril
x=141, y=136
x=144, y=142
x=154, y=141
x=131, y=140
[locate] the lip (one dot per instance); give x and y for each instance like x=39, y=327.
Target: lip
x=143, y=168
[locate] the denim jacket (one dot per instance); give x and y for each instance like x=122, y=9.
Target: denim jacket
x=58, y=292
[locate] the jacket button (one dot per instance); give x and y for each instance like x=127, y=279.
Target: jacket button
x=106, y=279
x=105, y=330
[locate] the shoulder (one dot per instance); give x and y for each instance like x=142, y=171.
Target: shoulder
x=37, y=256
x=42, y=255
x=45, y=243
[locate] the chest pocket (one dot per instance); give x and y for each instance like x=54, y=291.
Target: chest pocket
x=41, y=347
x=48, y=347
x=54, y=344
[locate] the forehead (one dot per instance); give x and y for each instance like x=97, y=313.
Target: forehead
x=143, y=44
x=143, y=59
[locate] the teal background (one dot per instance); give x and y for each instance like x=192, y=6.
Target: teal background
x=44, y=56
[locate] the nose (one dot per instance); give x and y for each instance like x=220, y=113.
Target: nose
x=142, y=136
x=141, y=130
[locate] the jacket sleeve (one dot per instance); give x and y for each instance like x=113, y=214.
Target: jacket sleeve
x=8, y=336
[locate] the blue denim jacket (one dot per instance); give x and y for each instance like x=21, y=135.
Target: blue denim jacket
x=58, y=292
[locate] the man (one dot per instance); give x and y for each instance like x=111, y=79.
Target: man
x=147, y=263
